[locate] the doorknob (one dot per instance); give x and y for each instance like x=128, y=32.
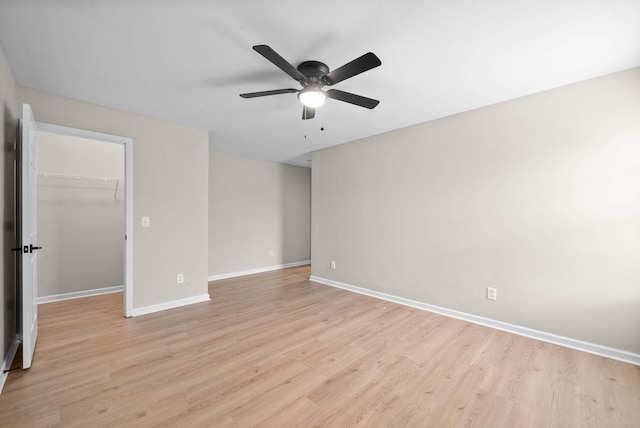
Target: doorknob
x=32, y=248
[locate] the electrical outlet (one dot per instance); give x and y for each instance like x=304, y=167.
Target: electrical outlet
x=492, y=293
x=333, y=264
x=180, y=278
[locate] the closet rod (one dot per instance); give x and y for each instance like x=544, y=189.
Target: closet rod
x=83, y=178
x=78, y=177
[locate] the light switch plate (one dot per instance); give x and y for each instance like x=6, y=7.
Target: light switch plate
x=145, y=222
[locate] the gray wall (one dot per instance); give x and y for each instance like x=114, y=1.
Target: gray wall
x=7, y=208
x=170, y=168
x=80, y=223
x=256, y=207
x=537, y=197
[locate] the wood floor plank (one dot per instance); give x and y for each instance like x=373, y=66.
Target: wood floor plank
x=276, y=350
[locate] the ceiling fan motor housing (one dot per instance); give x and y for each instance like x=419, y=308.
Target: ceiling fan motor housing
x=314, y=72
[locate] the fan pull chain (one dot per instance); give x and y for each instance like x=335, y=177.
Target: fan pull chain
x=305, y=123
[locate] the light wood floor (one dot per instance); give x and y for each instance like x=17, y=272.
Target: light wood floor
x=276, y=350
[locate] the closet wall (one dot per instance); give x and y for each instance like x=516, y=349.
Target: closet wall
x=80, y=220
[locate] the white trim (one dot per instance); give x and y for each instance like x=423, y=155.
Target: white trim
x=170, y=305
x=128, y=203
x=258, y=270
x=8, y=359
x=81, y=133
x=592, y=348
x=78, y=294
x=128, y=228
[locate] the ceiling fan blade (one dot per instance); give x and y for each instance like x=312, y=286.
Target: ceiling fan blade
x=265, y=93
x=308, y=112
x=350, y=98
x=278, y=61
x=353, y=68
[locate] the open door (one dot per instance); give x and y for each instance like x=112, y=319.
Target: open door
x=29, y=234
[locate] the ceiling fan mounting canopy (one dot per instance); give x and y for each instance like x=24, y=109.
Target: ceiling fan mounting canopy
x=314, y=75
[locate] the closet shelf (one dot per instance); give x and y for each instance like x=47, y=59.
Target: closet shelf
x=84, y=178
x=77, y=177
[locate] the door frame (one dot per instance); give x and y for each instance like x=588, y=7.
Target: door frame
x=128, y=196
x=28, y=232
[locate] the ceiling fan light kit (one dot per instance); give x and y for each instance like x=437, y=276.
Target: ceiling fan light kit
x=312, y=96
x=313, y=76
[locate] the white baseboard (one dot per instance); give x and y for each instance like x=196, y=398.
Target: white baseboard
x=592, y=348
x=78, y=294
x=8, y=359
x=170, y=305
x=258, y=270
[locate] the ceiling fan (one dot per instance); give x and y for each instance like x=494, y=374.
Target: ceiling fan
x=313, y=76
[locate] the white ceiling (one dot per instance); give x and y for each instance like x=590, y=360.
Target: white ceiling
x=187, y=61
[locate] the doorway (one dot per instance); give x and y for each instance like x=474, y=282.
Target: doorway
x=85, y=200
